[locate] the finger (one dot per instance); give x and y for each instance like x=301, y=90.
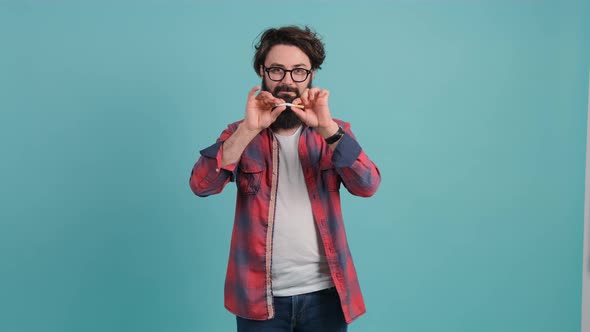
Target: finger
x=297, y=101
x=272, y=100
x=313, y=92
x=276, y=111
x=264, y=95
x=253, y=91
x=277, y=101
x=324, y=93
x=305, y=97
x=266, y=98
x=275, y=105
x=299, y=112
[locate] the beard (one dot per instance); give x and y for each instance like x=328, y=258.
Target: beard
x=288, y=119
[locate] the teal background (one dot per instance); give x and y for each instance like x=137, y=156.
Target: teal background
x=474, y=111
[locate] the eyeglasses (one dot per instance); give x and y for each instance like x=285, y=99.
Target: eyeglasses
x=277, y=74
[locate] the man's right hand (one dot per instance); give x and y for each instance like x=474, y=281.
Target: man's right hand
x=259, y=110
x=259, y=115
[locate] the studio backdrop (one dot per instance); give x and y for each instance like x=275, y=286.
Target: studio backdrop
x=475, y=113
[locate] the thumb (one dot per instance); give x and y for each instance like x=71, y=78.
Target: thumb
x=299, y=112
x=276, y=112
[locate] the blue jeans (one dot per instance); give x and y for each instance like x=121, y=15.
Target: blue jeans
x=313, y=312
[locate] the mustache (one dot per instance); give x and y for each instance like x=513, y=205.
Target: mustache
x=285, y=88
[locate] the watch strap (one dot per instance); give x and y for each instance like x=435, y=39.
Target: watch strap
x=334, y=138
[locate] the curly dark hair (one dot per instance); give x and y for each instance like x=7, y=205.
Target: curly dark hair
x=304, y=38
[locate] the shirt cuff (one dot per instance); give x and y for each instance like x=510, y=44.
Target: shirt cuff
x=215, y=151
x=346, y=152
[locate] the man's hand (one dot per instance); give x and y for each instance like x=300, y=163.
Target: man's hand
x=259, y=110
x=317, y=112
x=259, y=115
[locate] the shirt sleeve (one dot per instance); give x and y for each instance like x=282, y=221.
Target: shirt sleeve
x=358, y=173
x=208, y=177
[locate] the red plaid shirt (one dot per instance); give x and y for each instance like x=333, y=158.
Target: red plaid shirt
x=248, y=289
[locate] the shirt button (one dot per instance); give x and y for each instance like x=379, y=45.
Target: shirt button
x=217, y=170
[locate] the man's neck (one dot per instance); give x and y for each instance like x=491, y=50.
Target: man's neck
x=285, y=132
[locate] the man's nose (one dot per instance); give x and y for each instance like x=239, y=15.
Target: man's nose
x=287, y=79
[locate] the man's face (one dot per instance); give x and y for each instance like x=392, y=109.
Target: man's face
x=286, y=57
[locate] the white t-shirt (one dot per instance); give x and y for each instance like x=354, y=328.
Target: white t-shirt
x=299, y=263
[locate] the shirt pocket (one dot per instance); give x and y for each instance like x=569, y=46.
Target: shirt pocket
x=329, y=177
x=250, y=175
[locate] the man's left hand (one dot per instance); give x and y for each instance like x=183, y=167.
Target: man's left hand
x=316, y=113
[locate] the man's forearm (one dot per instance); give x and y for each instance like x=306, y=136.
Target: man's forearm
x=236, y=144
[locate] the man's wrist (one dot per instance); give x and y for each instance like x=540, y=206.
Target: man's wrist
x=328, y=131
x=244, y=131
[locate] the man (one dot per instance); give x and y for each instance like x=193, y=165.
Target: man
x=290, y=267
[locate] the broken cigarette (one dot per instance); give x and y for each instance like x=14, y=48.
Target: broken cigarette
x=291, y=105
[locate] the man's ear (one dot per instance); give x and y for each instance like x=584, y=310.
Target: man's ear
x=312, y=74
x=261, y=71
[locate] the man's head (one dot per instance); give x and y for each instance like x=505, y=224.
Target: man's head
x=286, y=59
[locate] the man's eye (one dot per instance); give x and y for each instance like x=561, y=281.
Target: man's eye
x=299, y=71
x=276, y=70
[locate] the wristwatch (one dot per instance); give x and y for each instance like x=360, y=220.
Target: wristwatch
x=334, y=138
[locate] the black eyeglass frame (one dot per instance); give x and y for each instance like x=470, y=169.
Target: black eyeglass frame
x=290, y=71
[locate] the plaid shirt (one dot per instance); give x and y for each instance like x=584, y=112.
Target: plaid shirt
x=248, y=289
